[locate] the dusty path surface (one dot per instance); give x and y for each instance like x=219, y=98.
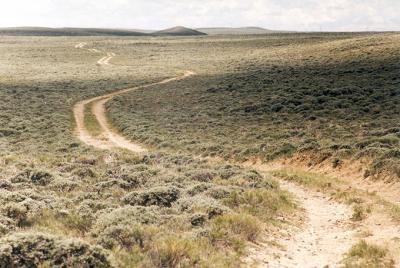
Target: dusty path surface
x=81, y=45
x=104, y=60
x=326, y=235
x=109, y=138
x=321, y=241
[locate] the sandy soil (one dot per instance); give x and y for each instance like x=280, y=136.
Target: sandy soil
x=326, y=235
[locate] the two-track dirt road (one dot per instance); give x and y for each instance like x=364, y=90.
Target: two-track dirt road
x=104, y=60
x=327, y=232
x=109, y=138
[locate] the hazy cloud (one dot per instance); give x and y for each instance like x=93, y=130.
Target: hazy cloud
x=338, y=15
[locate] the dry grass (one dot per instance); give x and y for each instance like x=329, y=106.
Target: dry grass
x=364, y=255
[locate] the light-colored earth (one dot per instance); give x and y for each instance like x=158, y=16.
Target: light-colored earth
x=321, y=240
x=326, y=234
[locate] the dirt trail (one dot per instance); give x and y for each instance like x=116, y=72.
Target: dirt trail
x=81, y=45
x=327, y=232
x=109, y=138
x=326, y=235
x=104, y=60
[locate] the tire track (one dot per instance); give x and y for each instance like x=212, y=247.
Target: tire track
x=104, y=61
x=109, y=138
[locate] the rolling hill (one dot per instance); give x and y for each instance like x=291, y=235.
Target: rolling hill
x=179, y=31
x=175, y=31
x=46, y=31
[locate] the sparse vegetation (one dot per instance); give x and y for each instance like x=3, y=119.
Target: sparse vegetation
x=368, y=256
x=33, y=250
x=64, y=203
x=155, y=210
x=319, y=99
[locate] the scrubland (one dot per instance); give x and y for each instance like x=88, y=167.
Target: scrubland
x=328, y=98
x=65, y=204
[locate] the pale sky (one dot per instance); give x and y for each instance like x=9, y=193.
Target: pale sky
x=300, y=15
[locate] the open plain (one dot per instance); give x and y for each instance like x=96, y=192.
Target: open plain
x=279, y=150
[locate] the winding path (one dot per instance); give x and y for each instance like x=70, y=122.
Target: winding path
x=109, y=138
x=325, y=236
x=104, y=60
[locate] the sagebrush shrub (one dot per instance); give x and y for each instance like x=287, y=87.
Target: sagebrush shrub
x=27, y=250
x=201, y=204
x=41, y=178
x=123, y=217
x=162, y=196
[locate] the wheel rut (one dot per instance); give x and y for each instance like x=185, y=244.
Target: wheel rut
x=109, y=138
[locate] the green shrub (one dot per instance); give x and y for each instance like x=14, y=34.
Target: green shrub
x=219, y=192
x=198, y=188
x=198, y=219
x=201, y=204
x=5, y=185
x=84, y=172
x=63, y=185
x=128, y=236
x=125, y=216
x=7, y=225
x=162, y=196
x=33, y=250
x=17, y=212
x=201, y=175
x=41, y=178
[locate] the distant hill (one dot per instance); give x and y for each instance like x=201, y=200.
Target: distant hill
x=175, y=31
x=238, y=31
x=44, y=31
x=179, y=31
